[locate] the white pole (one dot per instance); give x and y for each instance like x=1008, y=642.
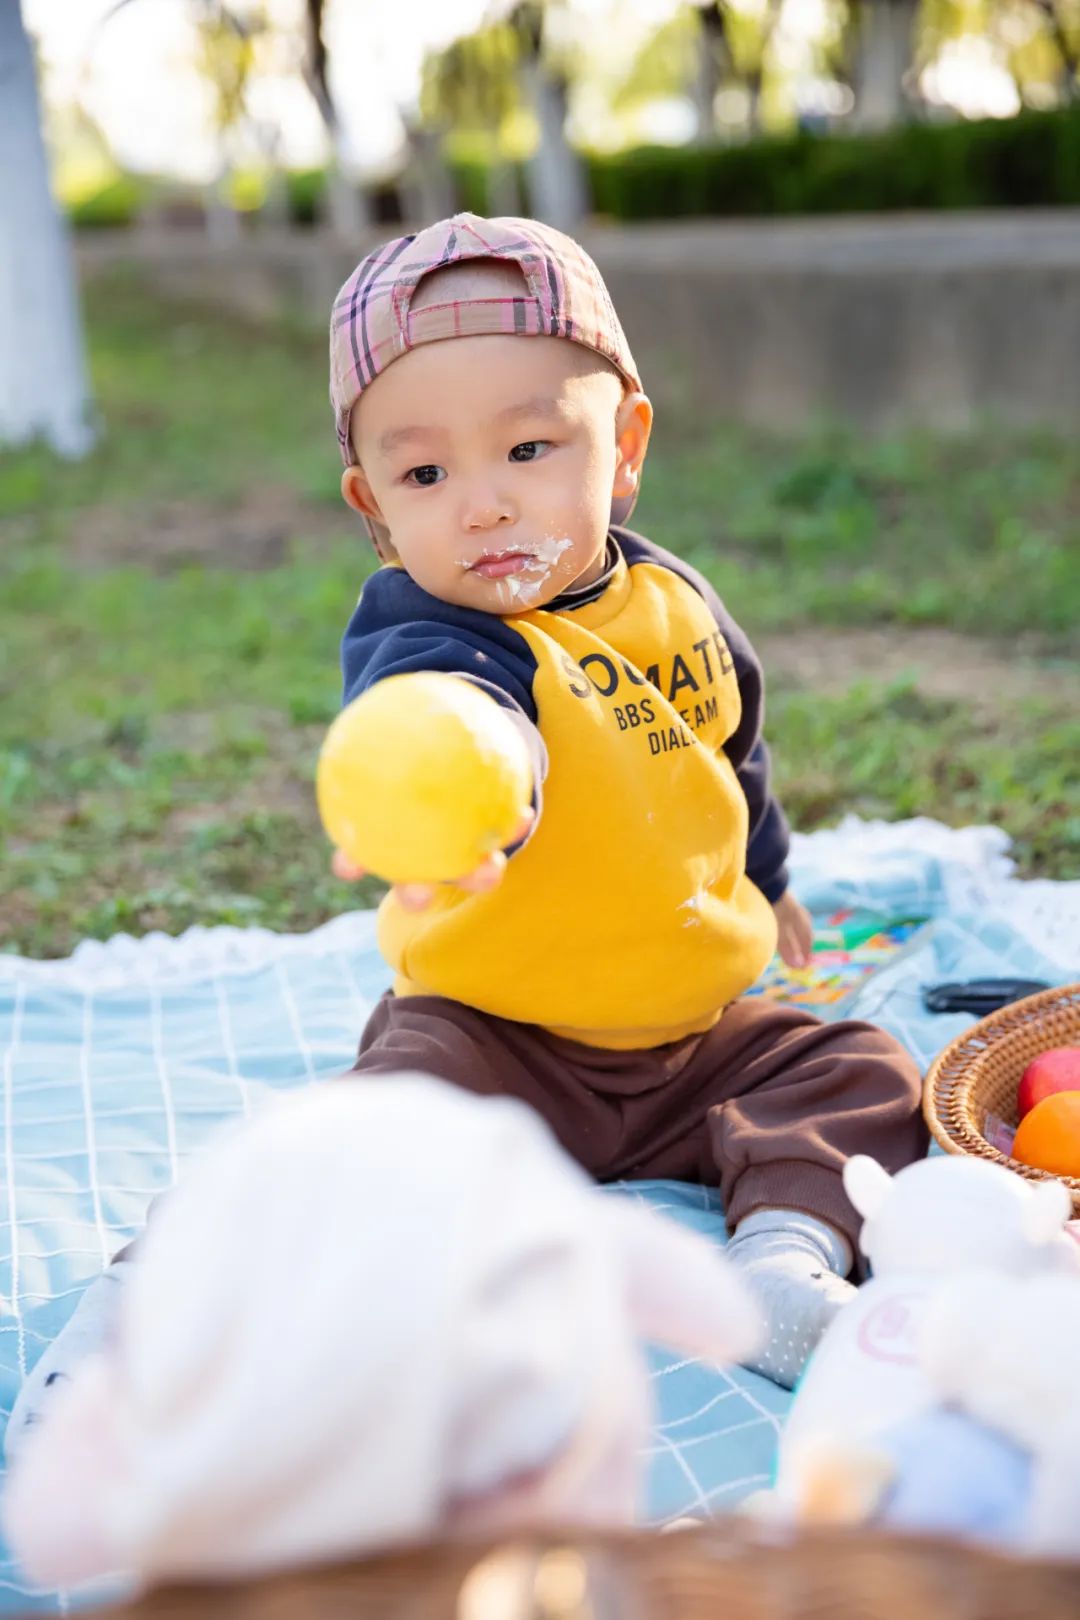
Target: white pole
x=884, y=52
x=556, y=181
x=44, y=392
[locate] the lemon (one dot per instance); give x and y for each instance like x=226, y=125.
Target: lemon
x=422, y=777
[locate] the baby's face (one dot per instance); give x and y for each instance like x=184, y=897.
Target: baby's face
x=492, y=461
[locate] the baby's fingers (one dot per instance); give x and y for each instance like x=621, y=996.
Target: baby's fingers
x=342, y=867
x=485, y=877
x=414, y=896
x=418, y=896
x=795, y=948
x=528, y=816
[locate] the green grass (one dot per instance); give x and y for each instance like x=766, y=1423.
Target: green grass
x=892, y=751
x=170, y=612
x=980, y=533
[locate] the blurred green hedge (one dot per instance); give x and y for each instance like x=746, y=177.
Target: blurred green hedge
x=1032, y=160
x=121, y=201
x=304, y=192
x=115, y=205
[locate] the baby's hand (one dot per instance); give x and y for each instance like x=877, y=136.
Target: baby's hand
x=796, y=931
x=418, y=896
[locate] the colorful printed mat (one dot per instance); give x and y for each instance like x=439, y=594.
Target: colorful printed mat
x=848, y=947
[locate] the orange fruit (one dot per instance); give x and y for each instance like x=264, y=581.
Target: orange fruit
x=1048, y=1138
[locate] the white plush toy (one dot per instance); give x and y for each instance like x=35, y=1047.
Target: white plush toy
x=381, y=1310
x=946, y=1396
x=1009, y=1358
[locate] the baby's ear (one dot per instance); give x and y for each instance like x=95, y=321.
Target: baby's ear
x=681, y=1291
x=867, y=1184
x=356, y=492
x=633, y=428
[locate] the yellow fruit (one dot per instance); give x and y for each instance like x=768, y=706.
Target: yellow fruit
x=422, y=777
x=1048, y=1138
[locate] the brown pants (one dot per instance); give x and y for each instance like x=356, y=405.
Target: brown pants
x=767, y=1105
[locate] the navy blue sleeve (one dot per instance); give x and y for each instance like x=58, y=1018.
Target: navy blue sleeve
x=769, y=838
x=398, y=629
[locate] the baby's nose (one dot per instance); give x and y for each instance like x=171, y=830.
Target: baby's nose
x=487, y=510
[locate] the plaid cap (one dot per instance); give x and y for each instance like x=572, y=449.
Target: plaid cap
x=373, y=323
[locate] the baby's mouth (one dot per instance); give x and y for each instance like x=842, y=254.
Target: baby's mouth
x=503, y=564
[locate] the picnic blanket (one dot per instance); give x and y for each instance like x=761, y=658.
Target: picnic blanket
x=119, y=1061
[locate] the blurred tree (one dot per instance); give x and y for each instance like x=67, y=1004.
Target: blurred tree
x=883, y=54
x=517, y=66
x=471, y=89
x=225, y=56
x=557, y=191
x=684, y=58
x=713, y=64
x=706, y=47
x=44, y=391
x=835, y=61
x=1063, y=24
x=750, y=38
x=669, y=61
x=733, y=48
x=348, y=210
x=1036, y=41
x=1039, y=42
x=426, y=187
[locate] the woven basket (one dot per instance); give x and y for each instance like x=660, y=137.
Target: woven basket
x=725, y=1571
x=980, y=1072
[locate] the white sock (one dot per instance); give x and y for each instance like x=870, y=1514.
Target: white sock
x=87, y=1330
x=795, y=1266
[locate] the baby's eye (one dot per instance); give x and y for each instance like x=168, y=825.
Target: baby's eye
x=530, y=450
x=424, y=477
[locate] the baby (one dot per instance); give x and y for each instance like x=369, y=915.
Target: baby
x=494, y=431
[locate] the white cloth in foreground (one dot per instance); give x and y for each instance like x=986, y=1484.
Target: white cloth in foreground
x=378, y=1310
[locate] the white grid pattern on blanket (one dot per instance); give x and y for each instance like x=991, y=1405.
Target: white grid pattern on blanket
x=121, y=1061
x=107, y=1090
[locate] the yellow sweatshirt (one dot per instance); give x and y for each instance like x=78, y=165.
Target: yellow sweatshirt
x=638, y=907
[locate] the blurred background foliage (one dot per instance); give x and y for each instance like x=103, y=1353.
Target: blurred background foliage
x=720, y=108
x=170, y=605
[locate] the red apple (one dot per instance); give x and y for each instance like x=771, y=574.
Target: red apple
x=1050, y=1072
